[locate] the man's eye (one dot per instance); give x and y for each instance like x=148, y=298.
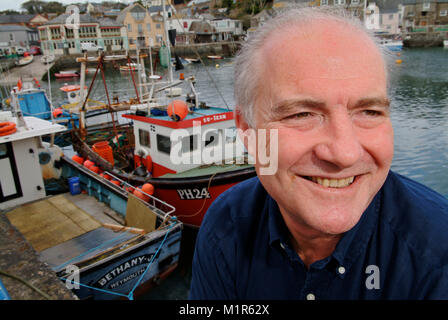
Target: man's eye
x=372, y=113
x=300, y=115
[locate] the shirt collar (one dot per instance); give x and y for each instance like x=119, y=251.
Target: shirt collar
x=352, y=243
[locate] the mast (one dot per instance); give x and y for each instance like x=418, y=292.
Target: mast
x=165, y=28
x=82, y=83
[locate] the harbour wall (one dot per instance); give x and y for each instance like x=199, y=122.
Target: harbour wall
x=225, y=49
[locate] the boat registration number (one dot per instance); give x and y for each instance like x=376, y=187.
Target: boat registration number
x=193, y=194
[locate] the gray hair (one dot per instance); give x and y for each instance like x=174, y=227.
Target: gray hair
x=246, y=67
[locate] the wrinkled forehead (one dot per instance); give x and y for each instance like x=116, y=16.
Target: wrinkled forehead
x=324, y=49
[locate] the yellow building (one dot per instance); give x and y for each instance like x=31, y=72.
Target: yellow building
x=142, y=28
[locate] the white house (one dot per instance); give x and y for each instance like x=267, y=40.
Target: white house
x=182, y=27
x=227, y=28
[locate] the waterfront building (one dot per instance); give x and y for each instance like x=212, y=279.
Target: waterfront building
x=182, y=26
x=58, y=37
x=227, y=29
x=384, y=16
x=425, y=16
x=16, y=37
x=141, y=28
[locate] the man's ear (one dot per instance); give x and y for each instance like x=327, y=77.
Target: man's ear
x=245, y=132
x=240, y=121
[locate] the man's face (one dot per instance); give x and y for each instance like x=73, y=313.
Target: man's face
x=325, y=92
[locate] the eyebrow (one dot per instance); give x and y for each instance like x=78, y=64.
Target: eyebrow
x=290, y=106
x=368, y=102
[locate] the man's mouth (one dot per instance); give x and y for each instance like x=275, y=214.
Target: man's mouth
x=332, y=183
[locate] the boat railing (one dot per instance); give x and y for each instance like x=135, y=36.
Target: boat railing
x=166, y=208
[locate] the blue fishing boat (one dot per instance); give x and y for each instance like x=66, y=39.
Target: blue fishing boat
x=98, y=238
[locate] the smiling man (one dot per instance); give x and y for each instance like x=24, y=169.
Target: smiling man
x=333, y=222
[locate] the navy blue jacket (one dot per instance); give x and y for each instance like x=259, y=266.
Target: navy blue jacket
x=397, y=250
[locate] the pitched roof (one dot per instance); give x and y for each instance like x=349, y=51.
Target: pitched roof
x=202, y=27
x=15, y=28
x=61, y=19
x=16, y=18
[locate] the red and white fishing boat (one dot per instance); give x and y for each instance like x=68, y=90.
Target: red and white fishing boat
x=188, y=152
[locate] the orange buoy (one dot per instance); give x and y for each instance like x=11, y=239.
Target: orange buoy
x=94, y=168
x=57, y=112
x=78, y=159
x=7, y=128
x=88, y=164
x=106, y=176
x=148, y=188
x=181, y=76
x=137, y=192
x=177, y=110
x=118, y=183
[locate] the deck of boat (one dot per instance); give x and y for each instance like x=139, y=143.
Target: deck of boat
x=54, y=220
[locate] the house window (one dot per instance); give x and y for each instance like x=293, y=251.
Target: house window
x=148, y=27
x=138, y=15
x=140, y=28
x=443, y=13
x=391, y=16
x=355, y=1
x=339, y=2
x=129, y=27
x=426, y=5
x=163, y=144
x=324, y=2
x=144, y=138
x=158, y=26
x=11, y=37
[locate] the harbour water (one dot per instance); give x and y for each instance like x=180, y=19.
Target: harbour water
x=417, y=90
x=419, y=111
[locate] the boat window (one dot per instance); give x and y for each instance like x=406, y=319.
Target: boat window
x=3, y=150
x=189, y=143
x=211, y=138
x=230, y=134
x=144, y=138
x=163, y=144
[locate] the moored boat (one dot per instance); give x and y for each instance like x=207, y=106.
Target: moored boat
x=25, y=60
x=102, y=242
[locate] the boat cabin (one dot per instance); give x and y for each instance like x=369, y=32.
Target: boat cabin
x=20, y=160
x=205, y=136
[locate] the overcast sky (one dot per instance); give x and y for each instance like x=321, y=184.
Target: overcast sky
x=15, y=4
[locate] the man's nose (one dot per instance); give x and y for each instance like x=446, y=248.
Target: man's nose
x=341, y=145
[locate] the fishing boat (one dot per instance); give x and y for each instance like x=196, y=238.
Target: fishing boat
x=131, y=66
x=144, y=152
x=215, y=57
x=392, y=45
x=192, y=60
x=101, y=241
x=25, y=60
x=31, y=99
x=45, y=59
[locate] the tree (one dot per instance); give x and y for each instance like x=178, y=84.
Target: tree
x=54, y=7
x=33, y=6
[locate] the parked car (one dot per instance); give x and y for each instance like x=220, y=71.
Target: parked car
x=35, y=50
x=90, y=46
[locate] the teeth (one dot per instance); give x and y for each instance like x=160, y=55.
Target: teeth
x=333, y=183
